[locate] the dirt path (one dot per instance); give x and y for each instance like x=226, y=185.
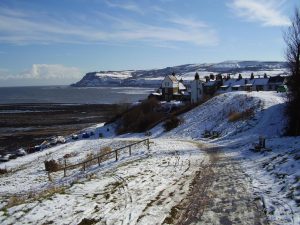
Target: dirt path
x=220, y=194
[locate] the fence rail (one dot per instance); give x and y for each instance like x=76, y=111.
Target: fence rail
x=85, y=163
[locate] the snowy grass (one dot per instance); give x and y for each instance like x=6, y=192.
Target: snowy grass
x=147, y=187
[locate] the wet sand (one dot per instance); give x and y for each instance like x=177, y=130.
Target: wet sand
x=26, y=125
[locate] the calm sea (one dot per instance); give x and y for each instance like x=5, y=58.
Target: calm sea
x=73, y=95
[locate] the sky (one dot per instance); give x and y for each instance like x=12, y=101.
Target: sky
x=47, y=42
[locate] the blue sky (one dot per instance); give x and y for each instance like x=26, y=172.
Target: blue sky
x=45, y=42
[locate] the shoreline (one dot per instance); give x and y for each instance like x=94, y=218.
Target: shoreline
x=28, y=124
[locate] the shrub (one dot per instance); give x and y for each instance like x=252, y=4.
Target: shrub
x=86, y=221
x=141, y=117
x=89, y=157
x=171, y=123
x=52, y=165
x=244, y=115
x=3, y=171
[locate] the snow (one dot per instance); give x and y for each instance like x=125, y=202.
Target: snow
x=143, y=188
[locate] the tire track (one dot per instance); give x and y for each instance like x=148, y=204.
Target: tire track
x=125, y=192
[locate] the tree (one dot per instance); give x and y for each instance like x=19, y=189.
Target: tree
x=292, y=40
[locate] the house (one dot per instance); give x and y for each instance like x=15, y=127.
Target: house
x=212, y=84
x=275, y=82
x=172, y=89
x=196, y=89
x=261, y=84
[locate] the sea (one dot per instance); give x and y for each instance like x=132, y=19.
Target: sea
x=73, y=95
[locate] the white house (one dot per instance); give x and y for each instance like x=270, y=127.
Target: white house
x=196, y=89
x=170, y=87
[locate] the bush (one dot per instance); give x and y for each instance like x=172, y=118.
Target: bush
x=141, y=117
x=3, y=171
x=244, y=115
x=52, y=165
x=171, y=123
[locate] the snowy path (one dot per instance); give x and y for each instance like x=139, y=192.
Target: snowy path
x=220, y=193
x=178, y=182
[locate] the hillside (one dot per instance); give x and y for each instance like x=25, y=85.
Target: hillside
x=153, y=78
x=184, y=176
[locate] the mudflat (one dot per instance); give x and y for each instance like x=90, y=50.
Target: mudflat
x=26, y=125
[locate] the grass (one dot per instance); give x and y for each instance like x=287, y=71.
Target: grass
x=234, y=116
x=33, y=196
x=86, y=221
x=3, y=171
x=52, y=165
x=171, y=123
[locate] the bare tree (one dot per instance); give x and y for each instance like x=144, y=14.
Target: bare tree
x=292, y=40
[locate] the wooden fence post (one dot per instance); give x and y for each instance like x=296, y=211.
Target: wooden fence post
x=49, y=176
x=65, y=170
x=130, y=150
x=84, y=166
x=148, y=144
x=116, y=155
x=99, y=160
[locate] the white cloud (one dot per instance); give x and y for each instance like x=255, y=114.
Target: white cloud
x=20, y=27
x=125, y=6
x=44, y=72
x=267, y=12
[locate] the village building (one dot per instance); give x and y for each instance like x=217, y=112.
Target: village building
x=172, y=89
x=261, y=84
x=196, y=89
x=275, y=82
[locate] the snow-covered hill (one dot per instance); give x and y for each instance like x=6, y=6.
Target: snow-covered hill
x=154, y=77
x=228, y=180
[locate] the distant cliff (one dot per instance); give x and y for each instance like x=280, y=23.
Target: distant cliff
x=153, y=78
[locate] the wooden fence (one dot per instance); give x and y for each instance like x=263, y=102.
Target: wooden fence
x=85, y=163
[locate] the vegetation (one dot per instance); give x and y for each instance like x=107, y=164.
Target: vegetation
x=141, y=117
x=171, y=123
x=52, y=165
x=3, y=171
x=244, y=115
x=86, y=221
x=292, y=40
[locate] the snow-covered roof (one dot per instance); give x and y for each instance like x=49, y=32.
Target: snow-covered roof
x=210, y=83
x=155, y=93
x=261, y=81
x=173, y=78
x=181, y=86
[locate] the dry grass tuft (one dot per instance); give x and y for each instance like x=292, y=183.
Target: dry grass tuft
x=52, y=165
x=171, y=123
x=3, y=171
x=234, y=116
x=33, y=196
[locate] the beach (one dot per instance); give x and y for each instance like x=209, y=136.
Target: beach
x=26, y=125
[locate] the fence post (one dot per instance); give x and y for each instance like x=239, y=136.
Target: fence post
x=148, y=144
x=130, y=150
x=84, y=166
x=65, y=172
x=49, y=176
x=116, y=155
x=99, y=160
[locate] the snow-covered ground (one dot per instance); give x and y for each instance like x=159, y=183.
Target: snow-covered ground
x=152, y=186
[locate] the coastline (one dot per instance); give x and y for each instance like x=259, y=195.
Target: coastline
x=29, y=124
